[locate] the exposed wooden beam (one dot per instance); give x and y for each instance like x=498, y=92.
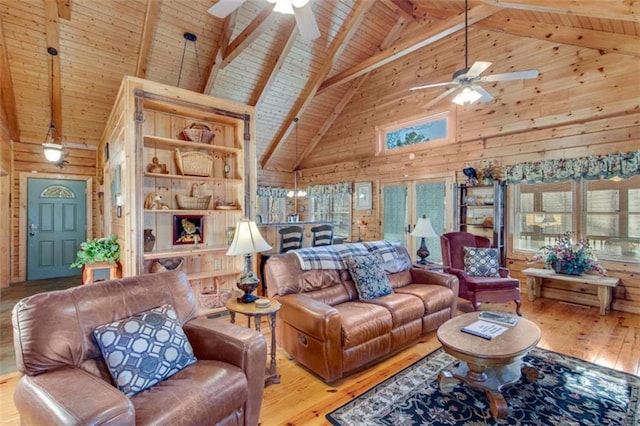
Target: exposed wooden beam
x=249, y=34
x=6, y=90
x=283, y=51
x=215, y=66
x=53, y=40
x=391, y=37
x=623, y=10
x=607, y=42
x=148, y=28
x=403, y=8
x=64, y=9
x=412, y=43
x=338, y=45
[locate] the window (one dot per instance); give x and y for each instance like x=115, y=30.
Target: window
x=423, y=131
x=606, y=212
x=336, y=209
x=271, y=205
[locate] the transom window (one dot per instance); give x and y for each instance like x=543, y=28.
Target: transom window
x=607, y=212
x=423, y=132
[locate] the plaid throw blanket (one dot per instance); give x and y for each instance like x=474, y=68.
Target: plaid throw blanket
x=331, y=257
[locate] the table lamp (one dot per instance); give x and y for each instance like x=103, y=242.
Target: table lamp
x=246, y=241
x=423, y=230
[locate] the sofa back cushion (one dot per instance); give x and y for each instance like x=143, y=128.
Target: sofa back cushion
x=284, y=275
x=55, y=329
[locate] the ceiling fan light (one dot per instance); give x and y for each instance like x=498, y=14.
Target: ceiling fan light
x=284, y=7
x=299, y=3
x=467, y=96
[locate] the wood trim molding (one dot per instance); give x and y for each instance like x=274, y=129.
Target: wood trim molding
x=249, y=34
x=216, y=64
x=623, y=10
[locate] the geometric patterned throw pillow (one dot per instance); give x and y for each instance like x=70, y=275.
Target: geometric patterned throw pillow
x=481, y=262
x=369, y=277
x=144, y=349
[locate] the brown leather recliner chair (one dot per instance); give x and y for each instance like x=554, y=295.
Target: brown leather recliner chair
x=477, y=290
x=66, y=380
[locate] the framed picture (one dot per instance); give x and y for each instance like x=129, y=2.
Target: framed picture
x=363, y=195
x=188, y=229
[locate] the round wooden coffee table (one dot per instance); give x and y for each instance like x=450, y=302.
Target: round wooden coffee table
x=488, y=365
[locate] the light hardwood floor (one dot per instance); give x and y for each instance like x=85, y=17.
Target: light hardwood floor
x=303, y=399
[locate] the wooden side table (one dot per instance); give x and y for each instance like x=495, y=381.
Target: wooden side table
x=89, y=269
x=252, y=311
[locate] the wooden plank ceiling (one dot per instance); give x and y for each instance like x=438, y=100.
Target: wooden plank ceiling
x=254, y=56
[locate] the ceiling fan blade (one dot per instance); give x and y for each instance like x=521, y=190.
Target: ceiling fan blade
x=306, y=22
x=440, y=97
x=477, y=68
x=223, y=8
x=518, y=75
x=427, y=86
x=486, y=96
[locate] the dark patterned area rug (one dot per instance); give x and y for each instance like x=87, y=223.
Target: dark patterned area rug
x=569, y=391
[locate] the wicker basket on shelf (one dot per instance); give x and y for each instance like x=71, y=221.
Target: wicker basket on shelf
x=196, y=201
x=197, y=132
x=168, y=264
x=193, y=163
x=215, y=298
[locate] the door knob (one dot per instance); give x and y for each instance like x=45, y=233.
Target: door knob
x=33, y=228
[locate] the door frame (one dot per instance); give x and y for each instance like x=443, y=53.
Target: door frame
x=448, y=178
x=21, y=273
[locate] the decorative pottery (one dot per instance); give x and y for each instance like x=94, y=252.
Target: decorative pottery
x=562, y=268
x=149, y=240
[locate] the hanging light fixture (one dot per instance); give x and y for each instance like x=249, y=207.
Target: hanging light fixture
x=468, y=94
x=296, y=192
x=193, y=38
x=52, y=150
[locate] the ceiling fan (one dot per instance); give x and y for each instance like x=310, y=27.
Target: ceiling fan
x=466, y=80
x=301, y=9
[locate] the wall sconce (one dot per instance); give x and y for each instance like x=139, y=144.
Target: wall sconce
x=119, y=204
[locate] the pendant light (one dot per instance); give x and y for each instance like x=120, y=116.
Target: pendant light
x=296, y=192
x=52, y=150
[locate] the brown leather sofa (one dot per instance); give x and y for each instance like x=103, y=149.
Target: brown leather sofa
x=66, y=381
x=325, y=327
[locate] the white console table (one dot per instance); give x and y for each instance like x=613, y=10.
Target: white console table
x=604, y=285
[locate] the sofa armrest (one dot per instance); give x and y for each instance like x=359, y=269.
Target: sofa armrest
x=312, y=317
x=59, y=397
x=240, y=346
x=423, y=276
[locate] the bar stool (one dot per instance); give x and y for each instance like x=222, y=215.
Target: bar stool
x=322, y=235
x=290, y=238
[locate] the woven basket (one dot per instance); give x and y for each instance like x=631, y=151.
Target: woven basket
x=197, y=132
x=214, y=299
x=186, y=202
x=169, y=264
x=193, y=163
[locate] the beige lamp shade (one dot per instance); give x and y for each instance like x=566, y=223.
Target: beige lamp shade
x=423, y=228
x=247, y=239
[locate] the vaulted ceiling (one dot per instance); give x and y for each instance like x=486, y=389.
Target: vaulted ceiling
x=254, y=56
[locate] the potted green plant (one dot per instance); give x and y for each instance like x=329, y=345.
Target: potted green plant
x=97, y=250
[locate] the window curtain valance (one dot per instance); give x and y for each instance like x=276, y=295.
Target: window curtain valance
x=623, y=165
x=272, y=192
x=329, y=190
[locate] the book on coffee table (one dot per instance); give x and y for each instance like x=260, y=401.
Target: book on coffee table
x=499, y=318
x=485, y=329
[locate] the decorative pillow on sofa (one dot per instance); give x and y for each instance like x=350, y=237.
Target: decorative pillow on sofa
x=144, y=349
x=481, y=262
x=370, y=279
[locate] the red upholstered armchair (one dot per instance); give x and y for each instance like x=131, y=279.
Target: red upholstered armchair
x=477, y=289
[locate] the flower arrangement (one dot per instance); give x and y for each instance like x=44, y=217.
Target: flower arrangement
x=569, y=258
x=487, y=173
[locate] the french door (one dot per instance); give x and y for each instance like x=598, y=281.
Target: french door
x=405, y=201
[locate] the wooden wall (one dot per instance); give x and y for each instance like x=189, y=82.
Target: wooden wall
x=5, y=201
x=584, y=102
